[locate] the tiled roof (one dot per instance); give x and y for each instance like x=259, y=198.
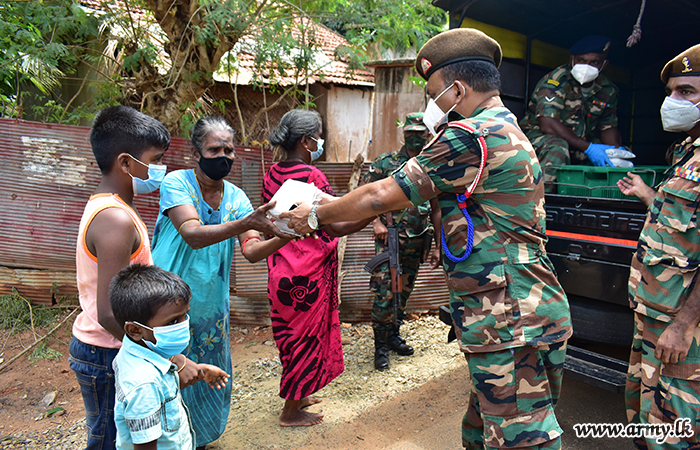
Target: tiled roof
x=329, y=69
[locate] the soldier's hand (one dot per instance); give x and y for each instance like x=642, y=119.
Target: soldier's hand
x=674, y=343
x=299, y=218
x=597, y=155
x=380, y=231
x=435, y=259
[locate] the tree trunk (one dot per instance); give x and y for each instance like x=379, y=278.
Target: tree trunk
x=193, y=57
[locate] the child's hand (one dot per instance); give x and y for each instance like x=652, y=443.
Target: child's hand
x=188, y=372
x=215, y=377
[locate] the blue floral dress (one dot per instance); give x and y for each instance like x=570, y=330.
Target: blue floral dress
x=206, y=271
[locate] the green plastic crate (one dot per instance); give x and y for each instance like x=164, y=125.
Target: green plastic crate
x=591, y=181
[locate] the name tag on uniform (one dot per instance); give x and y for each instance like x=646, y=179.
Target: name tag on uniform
x=691, y=173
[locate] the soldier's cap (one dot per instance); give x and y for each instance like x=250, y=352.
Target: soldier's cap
x=460, y=44
x=591, y=44
x=414, y=122
x=687, y=64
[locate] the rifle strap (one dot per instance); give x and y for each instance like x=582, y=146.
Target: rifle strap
x=462, y=198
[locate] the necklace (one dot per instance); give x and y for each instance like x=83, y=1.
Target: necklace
x=202, y=190
x=295, y=158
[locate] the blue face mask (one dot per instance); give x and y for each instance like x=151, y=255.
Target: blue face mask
x=171, y=340
x=156, y=173
x=319, y=149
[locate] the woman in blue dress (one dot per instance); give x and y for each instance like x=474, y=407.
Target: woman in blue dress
x=200, y=214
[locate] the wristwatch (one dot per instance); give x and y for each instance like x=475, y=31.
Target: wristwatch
x=313, y=218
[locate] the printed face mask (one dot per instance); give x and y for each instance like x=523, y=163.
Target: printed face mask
x=414, y=142
x=319, y=149
x=583, y=73
x=156, y=173
x=215, y=168
x=679, y=115
x=171, y=340
x=433, y=114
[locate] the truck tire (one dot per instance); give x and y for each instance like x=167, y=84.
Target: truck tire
x=602, y=322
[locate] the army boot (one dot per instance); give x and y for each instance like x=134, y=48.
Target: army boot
x=397, y=343
x=381, y=350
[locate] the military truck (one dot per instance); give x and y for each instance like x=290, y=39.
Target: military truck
x=592, y=227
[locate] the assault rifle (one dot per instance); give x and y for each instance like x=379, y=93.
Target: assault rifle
x=392, y=255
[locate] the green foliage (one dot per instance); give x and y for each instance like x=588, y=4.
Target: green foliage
x=43, y=351
x=41, y=42
x=419, y=81
x=16, y=313
x=387, y=24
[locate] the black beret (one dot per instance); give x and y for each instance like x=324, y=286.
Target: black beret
x=591, y=44
x=687, y=64
x=460, y=44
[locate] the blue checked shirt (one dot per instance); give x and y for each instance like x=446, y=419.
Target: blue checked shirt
x=148, y=405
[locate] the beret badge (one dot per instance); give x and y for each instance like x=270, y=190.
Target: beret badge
x=425, y=65
x=686, y=64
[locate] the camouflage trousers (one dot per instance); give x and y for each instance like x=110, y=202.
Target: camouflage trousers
x=411, y=250
x=658, y=393
x=513, y=398
x=553, y=151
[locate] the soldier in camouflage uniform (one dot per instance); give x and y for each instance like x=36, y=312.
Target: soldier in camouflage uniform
x=510, y=312
x=415, y=234
x=663, y=380
x=567, y=119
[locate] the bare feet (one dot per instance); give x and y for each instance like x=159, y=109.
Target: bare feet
x=308, y=401
x=293, y=416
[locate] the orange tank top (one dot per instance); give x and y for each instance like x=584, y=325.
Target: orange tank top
x=86, y=328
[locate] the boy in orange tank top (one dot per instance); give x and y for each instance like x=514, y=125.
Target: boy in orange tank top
x=128, y=147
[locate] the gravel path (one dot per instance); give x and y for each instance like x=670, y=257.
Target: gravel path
x=255, y=401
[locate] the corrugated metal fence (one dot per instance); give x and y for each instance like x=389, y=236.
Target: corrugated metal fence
x=47, y=174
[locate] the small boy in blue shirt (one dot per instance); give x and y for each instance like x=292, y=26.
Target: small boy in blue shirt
x=151, y=305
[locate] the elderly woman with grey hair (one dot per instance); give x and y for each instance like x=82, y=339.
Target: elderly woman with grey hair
x=200, y=214
x=303, y=278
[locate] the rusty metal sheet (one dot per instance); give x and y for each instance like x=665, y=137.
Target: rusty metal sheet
x=49, y=172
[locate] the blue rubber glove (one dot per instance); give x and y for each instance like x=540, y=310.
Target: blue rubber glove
x=596, y=154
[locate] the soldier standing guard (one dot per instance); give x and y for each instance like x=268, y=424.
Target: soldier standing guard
x=510, y=312
x=415, y=234
x=663, y=380
x=572, y=114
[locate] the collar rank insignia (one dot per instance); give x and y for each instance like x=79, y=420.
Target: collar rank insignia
x=691, y=173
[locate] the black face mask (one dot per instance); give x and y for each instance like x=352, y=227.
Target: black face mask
x=215, y=168
x=414, y=142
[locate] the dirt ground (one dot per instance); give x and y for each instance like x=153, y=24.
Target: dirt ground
x=29, y=383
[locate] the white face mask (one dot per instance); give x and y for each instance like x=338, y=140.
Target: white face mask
x=583, y=73
x=433, y=114
x=679, y=115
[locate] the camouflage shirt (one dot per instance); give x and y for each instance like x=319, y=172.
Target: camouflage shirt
x=505, y=294
x=558, y=95
x=413, y=221
x=666, y=263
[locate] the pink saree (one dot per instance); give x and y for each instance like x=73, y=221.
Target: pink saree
x=303, y=291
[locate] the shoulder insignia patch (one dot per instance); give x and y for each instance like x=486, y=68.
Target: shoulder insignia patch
x=691, y=173
x=553, y=82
